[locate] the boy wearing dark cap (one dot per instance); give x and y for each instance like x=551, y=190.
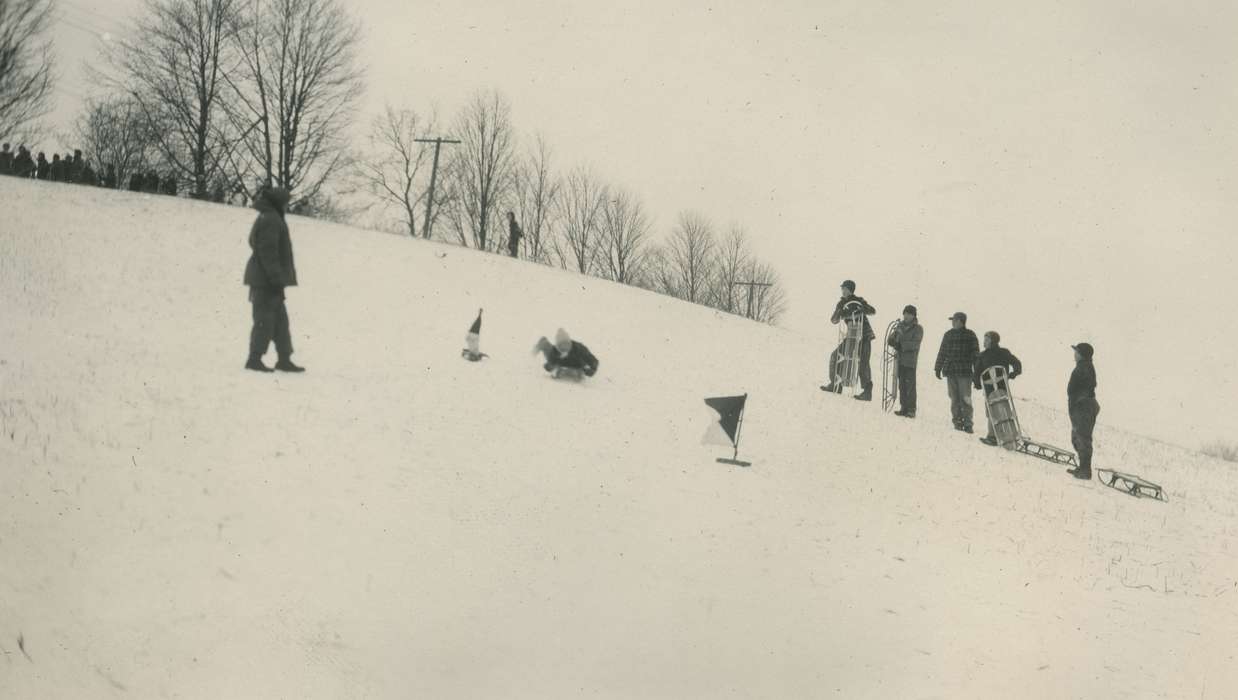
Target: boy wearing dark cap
x=906, y=338
x=956, y=358
x=866, y=342
x=1083, y=408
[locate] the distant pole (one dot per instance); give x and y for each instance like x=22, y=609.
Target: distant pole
x=751, y=286
x=438, y=142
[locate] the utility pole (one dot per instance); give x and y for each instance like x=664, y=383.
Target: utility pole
x=751, y=286
x=438, y=142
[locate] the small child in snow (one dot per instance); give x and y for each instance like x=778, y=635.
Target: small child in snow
x=566, y=353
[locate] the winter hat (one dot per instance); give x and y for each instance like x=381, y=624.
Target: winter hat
x=997, y=337
x=909, y=309
x=849, y=285
x=563, y=340
x=959, y=316
x=1084, y=349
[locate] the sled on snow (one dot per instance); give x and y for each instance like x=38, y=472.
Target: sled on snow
x=1136, y=486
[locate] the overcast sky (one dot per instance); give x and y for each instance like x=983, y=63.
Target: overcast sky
x=1094, y=137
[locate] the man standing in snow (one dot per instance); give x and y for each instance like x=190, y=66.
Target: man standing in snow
x=1083, y=408
x=906, y=338
x=6, y=160
x=994, y=355
x=956, y=359
x=270, y=269
x=567, y=353
x=514, y=234
x=866, y=342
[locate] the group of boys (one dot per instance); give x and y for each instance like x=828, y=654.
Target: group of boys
x=961, y=363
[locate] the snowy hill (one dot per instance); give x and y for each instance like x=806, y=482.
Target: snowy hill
x=399, y=523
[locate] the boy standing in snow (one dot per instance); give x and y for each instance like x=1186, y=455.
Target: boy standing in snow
x=866, y=342
x=906, y=338
x=956, y=359
x=994, y=356
x=270, y=269
x=566, y=353
x=1083, y=408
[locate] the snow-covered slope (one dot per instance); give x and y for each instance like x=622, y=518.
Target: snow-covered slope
x=400, y=523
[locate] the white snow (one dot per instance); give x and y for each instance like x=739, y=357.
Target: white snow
x=400, y=523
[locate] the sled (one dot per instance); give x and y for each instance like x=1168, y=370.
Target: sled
x=571, y=373
x=889, y=370
x=1044, y=451
x=1136, y=486
x=1000, y=403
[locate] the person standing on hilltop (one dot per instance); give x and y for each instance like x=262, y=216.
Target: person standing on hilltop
x=956, y=359
x=906, y=338
x=514, y=234
x=994, y=355
x=866, y=342
x=1083, y=408
x=269, y=271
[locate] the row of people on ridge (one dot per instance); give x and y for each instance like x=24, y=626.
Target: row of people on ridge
x=78, y=170
x=961, y=363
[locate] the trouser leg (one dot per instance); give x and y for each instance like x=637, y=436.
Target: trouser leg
x=866, y=371
x=907, y=388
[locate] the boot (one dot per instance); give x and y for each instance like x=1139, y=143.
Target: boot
x=989, y=440
x=829, y=387
x=1080, y=472
x=285, y=365
x=255, y=363
x=866, y=395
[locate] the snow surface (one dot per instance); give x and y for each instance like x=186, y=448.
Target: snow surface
x=400, y=523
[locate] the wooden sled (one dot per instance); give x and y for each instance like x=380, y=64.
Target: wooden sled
x=571, y=373
x=1047, y=452
x=1136, y=486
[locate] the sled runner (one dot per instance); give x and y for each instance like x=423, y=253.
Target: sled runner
x=889, y=371
x=1057, y=455
x=1136, y=486
x=573, y=373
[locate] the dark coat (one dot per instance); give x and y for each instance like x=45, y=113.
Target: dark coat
x=43, y=169
x=578, y=357
x=23, y=165
x=906, y=338
x=868, y=311
x=1082, y=383
x=6, y=162
x=957, y=355
x=996, y=356
x=271, y=263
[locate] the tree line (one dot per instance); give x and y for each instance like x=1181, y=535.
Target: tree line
x=230, y=96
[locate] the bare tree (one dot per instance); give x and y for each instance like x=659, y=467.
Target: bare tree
x=658, y=273
x=26, y=65
x=536, y=196
x=580, y=217
x=732, y=264
x=692, y=249
x=395, y=165
x=625, y=230
x=172, y=66
x=293, y=95
x=482, y=169
x=115, y=131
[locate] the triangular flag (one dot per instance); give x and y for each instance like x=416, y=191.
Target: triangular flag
x=473, y=339
x=729, y=409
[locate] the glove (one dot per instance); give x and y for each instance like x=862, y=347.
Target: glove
x=589, y=371
x=891, y=340
x=1013, y=375
x=976, y=386
x=938, y=373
